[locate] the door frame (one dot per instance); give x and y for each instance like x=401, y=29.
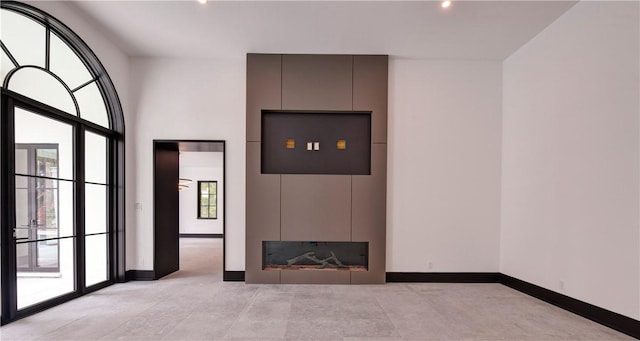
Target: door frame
x=197, y=146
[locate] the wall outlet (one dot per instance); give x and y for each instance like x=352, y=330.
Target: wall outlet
x=561, y=285
x=430, y=265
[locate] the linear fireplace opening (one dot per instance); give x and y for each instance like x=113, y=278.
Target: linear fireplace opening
x=313, y=255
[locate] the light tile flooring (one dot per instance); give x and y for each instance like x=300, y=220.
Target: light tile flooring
x=194, y=304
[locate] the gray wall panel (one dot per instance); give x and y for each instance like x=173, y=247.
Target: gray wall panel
x=264, y=73
x=315, y=277
x=316, y=82
x=369, y=215
x=370, y=79
x=262, y=216
x=316, y=207
x=376, y=273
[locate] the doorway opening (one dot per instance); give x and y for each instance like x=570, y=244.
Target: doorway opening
x=189, y=202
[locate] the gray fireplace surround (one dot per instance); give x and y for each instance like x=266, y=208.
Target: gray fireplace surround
x=317, y=169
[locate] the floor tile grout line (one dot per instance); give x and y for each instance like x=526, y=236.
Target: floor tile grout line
x=244, y=310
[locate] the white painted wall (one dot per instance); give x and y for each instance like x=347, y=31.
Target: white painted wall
x=443, y=166
x=570, y=200
x=200, y=166
x=190, y=99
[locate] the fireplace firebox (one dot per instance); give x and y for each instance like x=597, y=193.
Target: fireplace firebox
x=313, y=255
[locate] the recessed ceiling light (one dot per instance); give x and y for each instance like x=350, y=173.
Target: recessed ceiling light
x=202, y=1
x=446, y=4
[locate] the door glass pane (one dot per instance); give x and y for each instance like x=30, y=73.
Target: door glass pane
x=96, y=259
x=95, y=158
x=49, y=90
x=38, y=287
x=92, y=107
x=44, y=208
x=35, y=258
x=66, y=64
x=22, y=194
x=95, y=208
x=47, y=161
x=33, y=129
x=65, y=211
x=23, y=37
x=23, y=217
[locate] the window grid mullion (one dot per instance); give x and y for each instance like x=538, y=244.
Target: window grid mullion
x=84, y=84
x=11, y=57
x=47, y=53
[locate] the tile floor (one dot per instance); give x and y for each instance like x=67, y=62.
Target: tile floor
x=194, y=304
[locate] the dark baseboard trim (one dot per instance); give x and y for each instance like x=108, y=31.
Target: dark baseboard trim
x=605, y=317
x=233, y=276
x=602, y=316
x=140, y=275
x=443, y=277
x=201, y=235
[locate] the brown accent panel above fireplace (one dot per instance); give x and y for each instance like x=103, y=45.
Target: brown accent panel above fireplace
x=296, y=142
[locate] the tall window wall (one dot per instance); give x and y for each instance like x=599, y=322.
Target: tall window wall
x=61, y=138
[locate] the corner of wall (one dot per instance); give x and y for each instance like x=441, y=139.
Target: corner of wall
x=553, y=87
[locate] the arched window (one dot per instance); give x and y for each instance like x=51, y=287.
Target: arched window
x=62, y=173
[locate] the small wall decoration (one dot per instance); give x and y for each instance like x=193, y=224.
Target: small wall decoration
x=341, y=144
x=290, y=144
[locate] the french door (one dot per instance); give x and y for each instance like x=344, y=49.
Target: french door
x=56, y=235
